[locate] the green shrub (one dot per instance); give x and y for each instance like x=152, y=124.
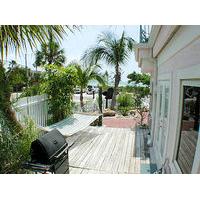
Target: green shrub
x=140, y=93
x=59, y=84
x=125, y=103
x=31, y=91
x=15, y=149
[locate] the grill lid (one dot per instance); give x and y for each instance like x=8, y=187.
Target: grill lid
x=45, y=147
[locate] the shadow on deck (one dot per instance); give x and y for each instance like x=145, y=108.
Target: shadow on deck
x=145, y=163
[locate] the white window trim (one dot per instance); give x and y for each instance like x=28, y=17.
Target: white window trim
x=192, y=81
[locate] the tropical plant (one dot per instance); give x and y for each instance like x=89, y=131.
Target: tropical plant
x=17, y=37
x=140, y=94
x=13, y=64
x=15, y=148
x=125, y=103
x=107, y=78
x=114, y=51
x=34, y=80
x=17, y=78
x=50, y=53
x=100, y=101
x=59, y=85
x=139, y=78
x=86, y=73
x=127, y=88
x=141, y=91
x=31, y=91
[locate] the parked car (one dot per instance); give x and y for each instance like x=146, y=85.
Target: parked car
x=90, y=89
x=77, y=91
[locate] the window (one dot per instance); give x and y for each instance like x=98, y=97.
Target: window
x=189, y=128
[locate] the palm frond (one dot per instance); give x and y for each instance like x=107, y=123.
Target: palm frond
x=50, y=53
x=17, y=37
x=114, y=51
x=85, y=73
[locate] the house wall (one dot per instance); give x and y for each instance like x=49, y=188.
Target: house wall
x=163, y=37
x=178, y=60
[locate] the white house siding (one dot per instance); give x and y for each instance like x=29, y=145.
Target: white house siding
x=175, y=57
x=179, y=60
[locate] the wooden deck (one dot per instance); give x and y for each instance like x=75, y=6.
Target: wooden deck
x=103, y=150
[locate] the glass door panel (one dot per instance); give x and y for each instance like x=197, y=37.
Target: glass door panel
x=163, y=106
x=189, y=128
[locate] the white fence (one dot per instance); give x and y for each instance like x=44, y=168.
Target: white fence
x=36, y=107
x=91, y=106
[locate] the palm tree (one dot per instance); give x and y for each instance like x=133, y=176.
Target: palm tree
x=13, y=64
x=86, y=73
x=114, y=51
x=50, y=53
x=17, y=37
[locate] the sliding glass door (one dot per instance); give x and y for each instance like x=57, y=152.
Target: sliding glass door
x=189, y=126
x=162, y=118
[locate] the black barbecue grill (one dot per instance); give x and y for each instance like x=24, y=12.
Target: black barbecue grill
x=49, y=153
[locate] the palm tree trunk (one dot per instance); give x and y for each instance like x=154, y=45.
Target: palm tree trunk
x=5, y=105
x=81, y=99
x=117, y=80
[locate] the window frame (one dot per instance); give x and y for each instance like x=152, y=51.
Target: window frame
x=196, y=164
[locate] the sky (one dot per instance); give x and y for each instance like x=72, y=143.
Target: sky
x=76, y=43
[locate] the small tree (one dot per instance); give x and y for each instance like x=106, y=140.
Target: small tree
x=13, y=63
x=17, y=78
x=115, y=52
x=86, y=73
x=50, y=54
x=59, y=85
x=100, y=101
x=125, y=102
x=139, y=78
x=141, y=91
x=18, y=37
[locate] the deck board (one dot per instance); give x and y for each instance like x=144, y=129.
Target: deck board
x=105, y=150
x=102, y=150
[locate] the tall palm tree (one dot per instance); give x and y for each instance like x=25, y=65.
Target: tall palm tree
x=50, y=53
x=17, y=37
x=114, y=52
x=86, y=73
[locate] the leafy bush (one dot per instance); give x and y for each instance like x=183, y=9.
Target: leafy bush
x=31, y=91
x=59, y=84
x=17, y=77
x=139, y=78
x=125, y=103
x=140, y=93
x=14, y=149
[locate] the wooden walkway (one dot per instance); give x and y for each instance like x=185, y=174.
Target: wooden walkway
x=103, y=150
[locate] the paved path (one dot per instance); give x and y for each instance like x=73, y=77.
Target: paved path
x=118, y=122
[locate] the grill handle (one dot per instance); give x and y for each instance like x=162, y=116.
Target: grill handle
x=58, y=156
